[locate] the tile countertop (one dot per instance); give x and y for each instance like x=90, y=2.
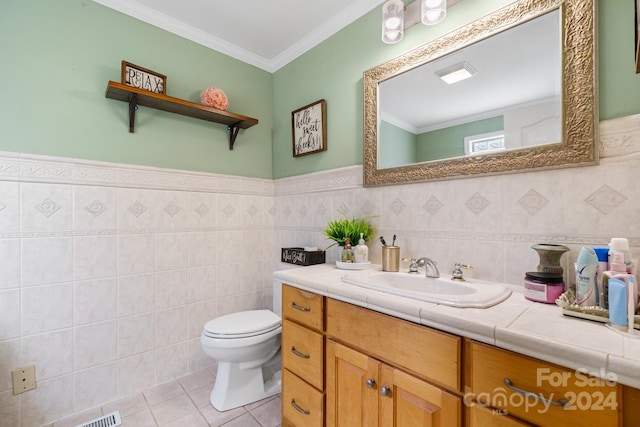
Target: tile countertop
x=533, y=329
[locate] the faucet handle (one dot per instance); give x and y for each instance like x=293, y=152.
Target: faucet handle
x=413, y=264
x=456, y=274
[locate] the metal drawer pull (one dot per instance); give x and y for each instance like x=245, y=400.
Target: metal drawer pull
x=370, y=382
x=385, y=391
x=297, y=307
x=297, y=353
x=561, y=402
x=299, y=409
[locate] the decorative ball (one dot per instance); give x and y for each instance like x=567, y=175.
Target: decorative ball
x=214, y=97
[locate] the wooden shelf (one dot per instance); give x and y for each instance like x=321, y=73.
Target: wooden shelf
x=135, y=97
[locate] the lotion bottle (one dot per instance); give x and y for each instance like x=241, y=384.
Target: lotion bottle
x=618, y=303
x=618, y=270
x=362, y=251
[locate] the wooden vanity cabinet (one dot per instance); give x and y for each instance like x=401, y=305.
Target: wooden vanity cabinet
x=344, y=365
x=362, y=391
x=498, y=380
x=383, y=371
x=348, y=366
x=302, y=358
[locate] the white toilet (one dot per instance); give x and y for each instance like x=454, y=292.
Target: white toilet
x=246, y=345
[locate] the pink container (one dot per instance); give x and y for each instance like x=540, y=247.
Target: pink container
x=543, y=287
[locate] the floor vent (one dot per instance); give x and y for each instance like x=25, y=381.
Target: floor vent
x=110, y=420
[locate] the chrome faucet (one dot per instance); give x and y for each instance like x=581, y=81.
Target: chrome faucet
x=430, y=267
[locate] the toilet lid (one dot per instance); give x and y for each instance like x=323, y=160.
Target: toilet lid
x=242, y=324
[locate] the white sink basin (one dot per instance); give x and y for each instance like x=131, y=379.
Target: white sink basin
x=470, y=293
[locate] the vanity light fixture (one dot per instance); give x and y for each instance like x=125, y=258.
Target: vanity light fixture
x=457, y=72
x=433, y=11
x=392, y=21
x=396, y=17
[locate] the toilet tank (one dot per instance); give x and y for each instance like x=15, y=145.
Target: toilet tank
x=277, y=287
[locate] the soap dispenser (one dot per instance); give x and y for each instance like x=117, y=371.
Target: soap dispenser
x=362, y=251
x=347, y=252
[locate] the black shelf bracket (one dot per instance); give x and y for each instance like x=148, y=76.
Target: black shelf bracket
x=133, y=106
x=233, y=133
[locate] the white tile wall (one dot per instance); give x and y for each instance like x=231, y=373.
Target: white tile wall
x=95, y=300
x=108, y=272
x=9, y=263
x=94, y=386
x=46, y=260
x=488, y=222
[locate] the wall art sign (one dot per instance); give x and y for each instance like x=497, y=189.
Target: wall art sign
x=309, y=128
x=299, y=256
x=142, y=78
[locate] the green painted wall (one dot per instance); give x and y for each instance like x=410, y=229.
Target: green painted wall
x=333, y=71
x=401, y=150
x=57, y=57
x=619, y=84
x=449, y=142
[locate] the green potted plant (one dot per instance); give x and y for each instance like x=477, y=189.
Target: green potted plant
x=339, y=229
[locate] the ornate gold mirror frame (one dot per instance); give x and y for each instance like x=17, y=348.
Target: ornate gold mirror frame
x=579, y=97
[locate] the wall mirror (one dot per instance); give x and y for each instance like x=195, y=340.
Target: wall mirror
x=530, y=103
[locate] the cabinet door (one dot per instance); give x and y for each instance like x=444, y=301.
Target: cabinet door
x=406, y=401
x=431, y=354
x=352, y=381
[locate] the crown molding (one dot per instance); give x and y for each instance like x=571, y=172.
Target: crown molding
x=143, y=13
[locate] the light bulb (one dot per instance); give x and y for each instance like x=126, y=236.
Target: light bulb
x=392, y=21
x=433, y=11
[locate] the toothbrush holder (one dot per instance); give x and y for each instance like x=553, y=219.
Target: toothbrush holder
x=391, y=258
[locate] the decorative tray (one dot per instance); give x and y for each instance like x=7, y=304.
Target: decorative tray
x=598, y=314
x=353, y=265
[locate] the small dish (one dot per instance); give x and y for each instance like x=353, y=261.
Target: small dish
x=353, y=265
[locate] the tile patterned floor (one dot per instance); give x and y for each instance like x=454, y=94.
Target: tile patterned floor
x=182, y=403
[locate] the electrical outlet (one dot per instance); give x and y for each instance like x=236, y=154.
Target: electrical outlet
x=24, y=379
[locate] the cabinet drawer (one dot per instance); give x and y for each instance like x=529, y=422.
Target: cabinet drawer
x=432, y=354
x=303, y=353
x=304, y=307
x=302, y=405
x=589, y=401
x=486, y=417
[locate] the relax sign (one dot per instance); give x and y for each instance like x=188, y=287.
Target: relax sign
x=141, y=78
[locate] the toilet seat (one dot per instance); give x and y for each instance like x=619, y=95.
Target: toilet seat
x=242, y=324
